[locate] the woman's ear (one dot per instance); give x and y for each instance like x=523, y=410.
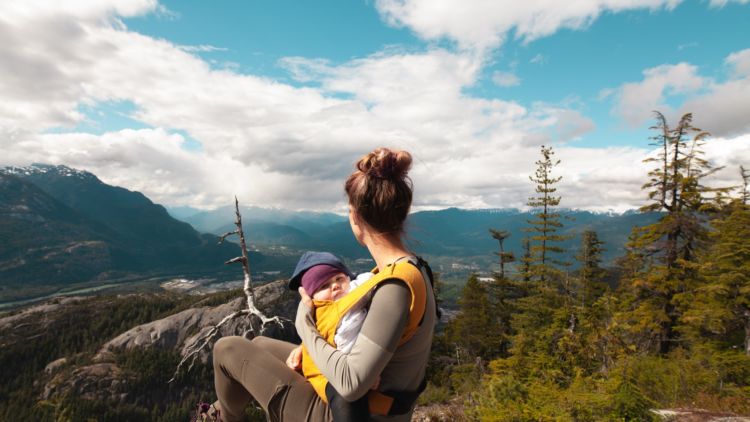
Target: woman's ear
x=356, y=224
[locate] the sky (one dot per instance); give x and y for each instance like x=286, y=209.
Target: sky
x=194, y=102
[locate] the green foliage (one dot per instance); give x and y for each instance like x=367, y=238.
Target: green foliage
x=76, y=332
x=546, y=222
x=675, y=333
x=719, y=309
x=630, y=404
x=505, y=396
x=591, y=275
x=505, y=257
x=474, y=332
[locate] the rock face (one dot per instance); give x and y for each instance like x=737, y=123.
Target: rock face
x=172, y=331
x=89, y=382
x=180, y=330
x=103, y=379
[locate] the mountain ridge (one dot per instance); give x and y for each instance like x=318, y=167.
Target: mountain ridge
x=62, y=226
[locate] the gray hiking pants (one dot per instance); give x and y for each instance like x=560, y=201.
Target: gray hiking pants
x=245, y=369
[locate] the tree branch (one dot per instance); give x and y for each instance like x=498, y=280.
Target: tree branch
x=258, y=321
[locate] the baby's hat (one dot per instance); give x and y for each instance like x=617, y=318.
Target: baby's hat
x=311, y=259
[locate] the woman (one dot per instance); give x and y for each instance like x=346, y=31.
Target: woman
x=395, y=339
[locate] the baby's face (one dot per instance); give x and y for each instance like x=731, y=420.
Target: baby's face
x=333, y=289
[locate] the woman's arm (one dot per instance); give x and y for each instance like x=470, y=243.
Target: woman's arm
x=353, y=374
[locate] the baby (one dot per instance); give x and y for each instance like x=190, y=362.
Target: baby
x=325, y=277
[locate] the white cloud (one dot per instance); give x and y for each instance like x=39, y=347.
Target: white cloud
x=636, y=101
x=203, y=48
x=482, y=25
x=740, y=63
x=722, y=3
x=274, y=144
x=505, y=79
x=723, y=109
x=718, y=107
x=539, y=59
x=392, y=77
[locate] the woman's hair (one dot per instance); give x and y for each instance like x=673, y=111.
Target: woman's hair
x=380, y=191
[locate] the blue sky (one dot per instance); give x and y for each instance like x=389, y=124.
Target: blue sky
x=287, y=94
x=571, y=67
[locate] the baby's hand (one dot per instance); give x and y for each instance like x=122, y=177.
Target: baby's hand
x=294, y=360
x=377, y=384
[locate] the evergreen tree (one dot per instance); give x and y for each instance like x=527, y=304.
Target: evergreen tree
x=505, y=257
x=546, y=222
x=744, y=194
x=504, y=295
x=720, y=309
x=473, y=331
x=590, y=273
x=667, y=249
x=676, y=188
x=526, y=260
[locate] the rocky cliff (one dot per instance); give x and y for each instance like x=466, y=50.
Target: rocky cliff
x=99, y=376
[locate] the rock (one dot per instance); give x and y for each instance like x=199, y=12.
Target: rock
x=47, y=307
x=104, y=380
x=443, y=412
x=55, y=365
x=698, y=415
x=97, y=381
x=171, y=332
x=178, y=331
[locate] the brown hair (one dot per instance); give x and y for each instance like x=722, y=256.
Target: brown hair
x=380, y=191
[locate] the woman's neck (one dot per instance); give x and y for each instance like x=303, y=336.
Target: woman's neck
x=386, y=249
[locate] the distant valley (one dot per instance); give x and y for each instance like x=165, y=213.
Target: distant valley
x=451, y=232
x=62, y=227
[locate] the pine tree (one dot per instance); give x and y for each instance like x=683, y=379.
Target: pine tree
x=666, y=250
x=505, y=257
x=473, y=330
x=720, y=309
x=504, y=294
x=546, y=223
x=590, y=273
x=526, y=260
x=744, y=194
x=676, y=188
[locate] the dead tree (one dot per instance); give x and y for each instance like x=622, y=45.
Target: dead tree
x=258, y=321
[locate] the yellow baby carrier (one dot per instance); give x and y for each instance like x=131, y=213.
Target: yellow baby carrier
x=328, y=314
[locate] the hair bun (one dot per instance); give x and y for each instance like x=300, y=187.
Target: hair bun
x=384, y=163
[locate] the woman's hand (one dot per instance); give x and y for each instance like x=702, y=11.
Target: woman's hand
x=305, y=298
x=294, y=360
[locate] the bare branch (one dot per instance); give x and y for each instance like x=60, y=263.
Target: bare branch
x=236, y=260
x=258, y=321
x=225, y=235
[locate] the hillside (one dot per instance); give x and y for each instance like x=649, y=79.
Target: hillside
x=110, y=357
x=62, y=226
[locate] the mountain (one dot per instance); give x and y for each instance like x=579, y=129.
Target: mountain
x=43, y=239
x=451, y=232
x=457, y=232
x=60, y=225
x=215, y=221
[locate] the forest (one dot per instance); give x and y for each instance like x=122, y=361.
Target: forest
x=667, y=327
